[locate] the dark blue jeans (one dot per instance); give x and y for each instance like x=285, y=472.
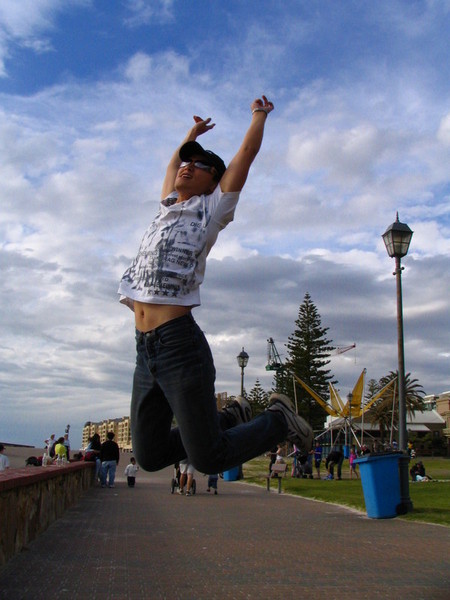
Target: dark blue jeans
x=339, y=467
x=174, y=377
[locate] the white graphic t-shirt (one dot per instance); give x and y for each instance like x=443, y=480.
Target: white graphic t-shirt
x=170, y=264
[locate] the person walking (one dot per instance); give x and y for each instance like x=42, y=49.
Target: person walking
x=351, y=460
x=109, y=456
x=186, y=477
x=131, y=472
x=175, y=373
x=213, y=480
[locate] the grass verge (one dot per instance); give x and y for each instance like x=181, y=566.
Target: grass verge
x=430, y=500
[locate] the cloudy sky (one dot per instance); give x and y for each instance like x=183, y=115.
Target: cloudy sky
x=94, y=97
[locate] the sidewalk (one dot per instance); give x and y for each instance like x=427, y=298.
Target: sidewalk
x=145, y=543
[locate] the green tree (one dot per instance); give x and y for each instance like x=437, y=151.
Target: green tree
x=258, y=398
x=385, y=410
x=308, y=352
x=372, y=388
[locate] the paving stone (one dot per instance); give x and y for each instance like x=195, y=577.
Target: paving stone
x=244, y=543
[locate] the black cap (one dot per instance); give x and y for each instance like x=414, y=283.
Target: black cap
x=189, y=149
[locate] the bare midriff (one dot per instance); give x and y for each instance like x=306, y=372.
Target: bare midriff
x=150, y=316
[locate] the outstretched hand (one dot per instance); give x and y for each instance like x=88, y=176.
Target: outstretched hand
x=263, y=103
x=202, y=125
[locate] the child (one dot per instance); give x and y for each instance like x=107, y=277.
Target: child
x=351, y=459
x=131, y=471
x=212, y=483
x=4, y=460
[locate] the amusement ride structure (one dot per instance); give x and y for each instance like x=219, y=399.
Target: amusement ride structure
x=346, y=412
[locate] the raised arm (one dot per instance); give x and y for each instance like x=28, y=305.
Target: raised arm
x=236, y=174
x=200, y=127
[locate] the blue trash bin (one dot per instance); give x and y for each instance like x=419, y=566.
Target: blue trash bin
x=381, y=484
x=231, y=474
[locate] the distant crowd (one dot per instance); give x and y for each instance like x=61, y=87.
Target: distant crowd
x=57, y=449
x=305, y=464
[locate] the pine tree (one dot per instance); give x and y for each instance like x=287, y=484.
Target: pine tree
x=258, y=398
x=308, y=352
x=372, y=388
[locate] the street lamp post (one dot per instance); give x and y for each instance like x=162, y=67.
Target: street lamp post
x=397, y=238
x=349, y=400
x=242, y=359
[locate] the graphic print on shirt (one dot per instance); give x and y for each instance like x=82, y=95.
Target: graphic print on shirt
x=168, y=255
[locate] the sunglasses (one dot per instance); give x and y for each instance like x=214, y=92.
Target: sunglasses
x=197, y=164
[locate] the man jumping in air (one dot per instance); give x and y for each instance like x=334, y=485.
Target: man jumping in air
x=174, y=374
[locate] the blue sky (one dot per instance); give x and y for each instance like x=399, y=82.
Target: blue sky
x=94, y=97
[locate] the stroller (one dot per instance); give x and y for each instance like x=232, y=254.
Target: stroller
x=175, y=483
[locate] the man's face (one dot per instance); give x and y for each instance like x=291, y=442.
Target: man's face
x=195, y=177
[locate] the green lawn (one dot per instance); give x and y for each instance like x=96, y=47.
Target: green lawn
x=431, y=500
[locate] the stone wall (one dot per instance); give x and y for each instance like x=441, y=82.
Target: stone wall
x=33, y=497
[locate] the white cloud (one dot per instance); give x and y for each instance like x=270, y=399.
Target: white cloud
x=348, y=156
x=143, y=12
x=443, y=133
x=26, y=23
x=81, y=166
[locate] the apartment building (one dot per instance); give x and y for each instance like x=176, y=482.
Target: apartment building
x=120, y=427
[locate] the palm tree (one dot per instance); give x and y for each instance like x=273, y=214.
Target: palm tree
x=385, y=411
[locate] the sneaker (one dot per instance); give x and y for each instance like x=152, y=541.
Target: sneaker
x=300, y=432
x=189, y=493
x=240, y=411
x=181, y=492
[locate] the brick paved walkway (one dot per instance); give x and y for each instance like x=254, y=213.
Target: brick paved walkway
x=146, y=543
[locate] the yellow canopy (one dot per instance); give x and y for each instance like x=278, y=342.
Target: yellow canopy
x=354, y=407
x=316, y=397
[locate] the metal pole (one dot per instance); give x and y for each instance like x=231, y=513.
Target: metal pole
x=402, y=434
x=363, y=403
x=405, y=501
x=350, y=426
x=242, y=381
x=295, y=394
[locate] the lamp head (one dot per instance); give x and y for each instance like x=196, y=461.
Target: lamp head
x=397, y=238
x=242, y=358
